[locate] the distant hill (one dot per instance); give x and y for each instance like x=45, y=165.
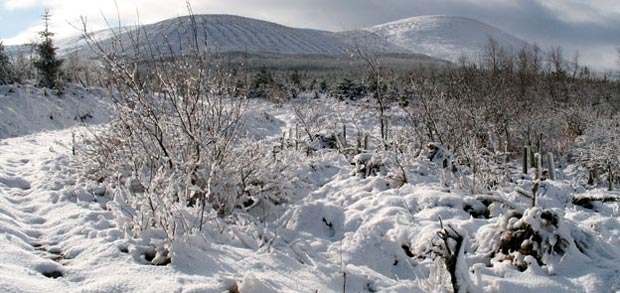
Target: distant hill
x=228, y=33
x=444, y=37
x=417, y=38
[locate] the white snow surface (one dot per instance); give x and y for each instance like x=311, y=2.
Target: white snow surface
x=445, y=37
x=53, y=220
x=26, y=109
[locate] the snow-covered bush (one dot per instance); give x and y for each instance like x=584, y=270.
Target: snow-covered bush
x=539, y=233
x=439, y=155
x=598, y=151
x=311, y=118
x=256, y=181
x=181, y=199
x=314, y=128
x=476, y=169
x=439, y=114
x=175, y=150
x=484, y=169
x=380, y=163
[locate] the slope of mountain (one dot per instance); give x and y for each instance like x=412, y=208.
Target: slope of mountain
x=234, y=33
x=228, y=33
x=445, y=37
x=441, y=37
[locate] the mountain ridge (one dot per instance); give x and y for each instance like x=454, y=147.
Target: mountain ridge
x=438, y=36
x=445, y=37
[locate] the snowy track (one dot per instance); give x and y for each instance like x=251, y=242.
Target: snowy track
x=54, y=236
x=31, y=245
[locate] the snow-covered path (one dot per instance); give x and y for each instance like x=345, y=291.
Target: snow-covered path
x=55, y=236
x=30, y=243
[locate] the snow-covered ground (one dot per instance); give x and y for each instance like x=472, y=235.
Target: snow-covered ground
x=25, y=109
x=61, y=232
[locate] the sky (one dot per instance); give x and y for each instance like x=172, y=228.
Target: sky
x=589, y=27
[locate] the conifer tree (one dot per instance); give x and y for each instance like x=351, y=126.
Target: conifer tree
x=6, y=68
x=47, y=63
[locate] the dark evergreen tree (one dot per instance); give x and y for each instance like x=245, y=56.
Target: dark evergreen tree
x=7, y=75
x=348, y=89
x=261, y=85
x=296, y=78
x=264, y=77
x=323, y=87
x=47, y=63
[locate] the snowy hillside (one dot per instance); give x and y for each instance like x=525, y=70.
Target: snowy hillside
x=444, y=37
x=228, y=33
x=26, y=109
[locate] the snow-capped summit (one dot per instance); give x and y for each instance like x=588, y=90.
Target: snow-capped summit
x=445, y=37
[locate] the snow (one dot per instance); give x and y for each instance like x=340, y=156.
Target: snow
x=25, y=109
x=63, y=232
x=444, y=37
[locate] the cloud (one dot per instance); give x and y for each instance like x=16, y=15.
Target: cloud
x=594, y=11
x=20, y=4
x=66, y=14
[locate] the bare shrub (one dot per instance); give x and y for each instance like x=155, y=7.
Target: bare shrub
x=174, y=149
x=598, y=149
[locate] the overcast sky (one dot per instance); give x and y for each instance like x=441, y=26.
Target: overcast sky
x=590, y=26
